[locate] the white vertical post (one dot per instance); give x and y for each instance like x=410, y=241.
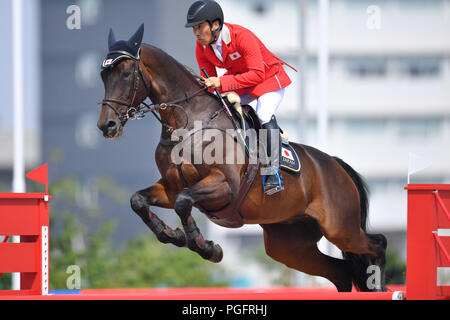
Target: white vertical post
x=45, y=260
x=323, y=56
x=322, y=111
x=301, y=278
x=18, y=183
x=303, y=64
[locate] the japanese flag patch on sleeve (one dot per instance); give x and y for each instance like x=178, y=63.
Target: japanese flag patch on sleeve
x=235, y=55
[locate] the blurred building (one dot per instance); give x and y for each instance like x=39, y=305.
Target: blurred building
x=32, y=97
x=389, y=96
x=72, y=87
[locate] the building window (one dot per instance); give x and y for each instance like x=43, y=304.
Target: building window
x=364, y=127
x=385, y=185
x=91, y=11
x=362, y=4
x=419, y=5
x=86, y=70
x=414, y=129
x=87, y=136
x=419, y=67
x=259, y=7
x=87, y=195
x=367, y=67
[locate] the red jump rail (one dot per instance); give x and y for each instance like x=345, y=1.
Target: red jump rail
x=25, y=215
x=428, y=240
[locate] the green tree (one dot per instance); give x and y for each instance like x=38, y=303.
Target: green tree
x=395, y=268
x=5, y=281
x=140, y=262
x=285, y=276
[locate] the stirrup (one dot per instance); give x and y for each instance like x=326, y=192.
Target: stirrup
x=273, y=189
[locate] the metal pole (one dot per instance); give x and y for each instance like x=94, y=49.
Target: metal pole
x=322, y=111
x=303, y=117
x=303, y=64
x=18, y=183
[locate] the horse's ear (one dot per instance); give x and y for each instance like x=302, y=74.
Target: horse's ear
x=111, y=38
x=136, y=39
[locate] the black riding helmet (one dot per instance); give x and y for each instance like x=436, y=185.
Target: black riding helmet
x=205, y=10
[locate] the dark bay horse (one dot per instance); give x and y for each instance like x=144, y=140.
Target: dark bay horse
x=326, y=198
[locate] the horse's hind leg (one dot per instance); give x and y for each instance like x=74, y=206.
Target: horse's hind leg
x=156, y=195
x=295, y=245
x=361, y=250
x=380, y=260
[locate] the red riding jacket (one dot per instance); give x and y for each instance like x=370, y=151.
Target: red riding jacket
x=251, y=67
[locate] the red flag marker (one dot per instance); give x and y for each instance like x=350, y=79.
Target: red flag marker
x=39, y=175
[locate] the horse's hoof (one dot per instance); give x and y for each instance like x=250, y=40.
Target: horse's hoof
x=217, y=254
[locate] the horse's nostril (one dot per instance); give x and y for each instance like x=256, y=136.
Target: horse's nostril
x=111, y=124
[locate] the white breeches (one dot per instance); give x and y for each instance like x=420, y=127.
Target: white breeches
x=266, y=105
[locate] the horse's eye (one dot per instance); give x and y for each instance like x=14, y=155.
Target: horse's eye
x=126, y=74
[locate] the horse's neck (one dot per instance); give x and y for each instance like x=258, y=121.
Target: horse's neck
x=170, y=82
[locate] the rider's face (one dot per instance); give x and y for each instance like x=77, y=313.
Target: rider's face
x=203, y=32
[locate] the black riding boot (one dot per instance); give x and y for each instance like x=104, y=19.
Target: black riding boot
x=273, y=180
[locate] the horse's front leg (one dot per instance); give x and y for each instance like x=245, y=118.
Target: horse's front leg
x=156, y=195
x=215, y=190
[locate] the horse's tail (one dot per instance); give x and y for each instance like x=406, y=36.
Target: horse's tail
x=362, y=189
x=358, y=262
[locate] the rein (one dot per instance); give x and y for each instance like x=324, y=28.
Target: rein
x=140, y=111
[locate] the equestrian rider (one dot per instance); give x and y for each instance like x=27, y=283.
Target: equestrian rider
x=253, y=72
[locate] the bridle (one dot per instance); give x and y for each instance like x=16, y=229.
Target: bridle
x=137, y=71
x=138, y=112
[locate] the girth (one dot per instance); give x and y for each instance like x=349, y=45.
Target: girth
x=230, y=216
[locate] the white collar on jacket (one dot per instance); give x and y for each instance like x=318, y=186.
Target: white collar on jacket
x=225, y=34
x=217, y=47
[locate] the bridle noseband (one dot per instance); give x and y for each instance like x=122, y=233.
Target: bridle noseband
x=139, y=111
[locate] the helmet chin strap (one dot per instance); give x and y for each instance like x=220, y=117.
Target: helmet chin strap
x=214, y=34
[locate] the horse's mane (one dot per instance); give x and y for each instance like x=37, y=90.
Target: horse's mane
x=188, y=71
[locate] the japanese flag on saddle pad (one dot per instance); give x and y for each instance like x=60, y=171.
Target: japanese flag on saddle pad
x=289, y=159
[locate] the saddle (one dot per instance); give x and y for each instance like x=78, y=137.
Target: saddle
x=248, y=119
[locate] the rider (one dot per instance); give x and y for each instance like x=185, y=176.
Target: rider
x=253, y=72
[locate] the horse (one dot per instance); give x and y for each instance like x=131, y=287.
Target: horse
x=327, y=198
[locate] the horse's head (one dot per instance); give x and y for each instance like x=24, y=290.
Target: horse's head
x=121, y=74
